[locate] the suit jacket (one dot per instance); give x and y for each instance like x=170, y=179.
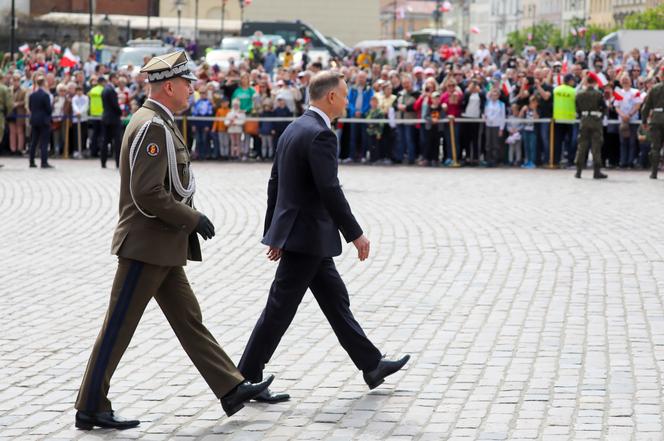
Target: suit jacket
x=306, y=207
x=40, y=108
x=169, y=239
x=112, y=112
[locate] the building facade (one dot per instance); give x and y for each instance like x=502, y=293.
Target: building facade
x=124, y=7
x=348, y=20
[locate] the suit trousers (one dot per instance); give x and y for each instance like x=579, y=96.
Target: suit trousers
x=113, y=136
x=134, y=285
x=41, y=133
x=297, y=272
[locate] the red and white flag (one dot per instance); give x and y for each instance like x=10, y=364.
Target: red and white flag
x=474, y=30
x=57, y=49
x=25, y=48
x=564, y=68
x=599, y=78
x=68, y=59
x=446, y=7
x=572, y=31
x=506, y=87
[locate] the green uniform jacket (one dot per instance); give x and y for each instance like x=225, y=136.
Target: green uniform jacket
x=590, y=100
x=6, y=106
x=168, y=239
x=654, y=100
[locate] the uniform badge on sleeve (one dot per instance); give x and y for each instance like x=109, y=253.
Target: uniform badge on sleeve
x=153, y=149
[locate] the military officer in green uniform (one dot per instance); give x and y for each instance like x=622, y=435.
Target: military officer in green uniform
x=590, y=108
x=652, y=116
x=6, y=105
x=156, y=234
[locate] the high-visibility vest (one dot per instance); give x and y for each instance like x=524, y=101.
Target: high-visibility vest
x=564, y=105
x=98, y=41
x=96, y=105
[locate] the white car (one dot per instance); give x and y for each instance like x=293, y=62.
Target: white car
x=232, y=48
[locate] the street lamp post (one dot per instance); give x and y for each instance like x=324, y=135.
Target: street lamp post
x=149, y=12
x=12, y=43
x=90, y=27
x=223, y=13
x=178, y=6
x=241, y=12
x=196, y=21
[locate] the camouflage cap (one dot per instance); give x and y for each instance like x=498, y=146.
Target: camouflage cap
x=170, y=65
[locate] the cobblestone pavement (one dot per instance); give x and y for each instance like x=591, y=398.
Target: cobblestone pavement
x=531, y=302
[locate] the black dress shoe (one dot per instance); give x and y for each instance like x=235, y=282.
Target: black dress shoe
x=267, y=396
x=233, y=401
x=106, y=420
x=33, y=165
x=47, y=166
x=376, y=377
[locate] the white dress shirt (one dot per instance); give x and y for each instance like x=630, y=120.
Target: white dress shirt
x=323, y=115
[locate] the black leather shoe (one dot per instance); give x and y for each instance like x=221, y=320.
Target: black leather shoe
x=47, y=166
x=578, y=174
x=233, y=401
x=33, y=165
x=106, y=420
x=385, y=367
x=267, y=396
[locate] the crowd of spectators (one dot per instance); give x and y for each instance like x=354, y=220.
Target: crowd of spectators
x=495, y=96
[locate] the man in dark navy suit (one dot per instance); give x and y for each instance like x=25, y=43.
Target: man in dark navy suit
x=111, y=121
x=306, y=209
x=40, y=122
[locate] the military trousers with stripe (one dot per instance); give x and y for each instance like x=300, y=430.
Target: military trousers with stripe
x=134, y=285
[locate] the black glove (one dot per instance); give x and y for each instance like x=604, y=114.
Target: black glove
x=205, y=227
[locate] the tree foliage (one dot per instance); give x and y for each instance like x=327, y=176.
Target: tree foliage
x=650, y=19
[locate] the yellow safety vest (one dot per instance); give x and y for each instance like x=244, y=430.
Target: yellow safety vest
x=564, y=105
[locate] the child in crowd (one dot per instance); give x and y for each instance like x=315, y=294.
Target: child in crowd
x=494, y=113
x=235, y=123
x=281, y=111
x=528, y=134
x=374, y=130
x=202, y=108
x=219, y=129
x=513, y=140
x=266, y=130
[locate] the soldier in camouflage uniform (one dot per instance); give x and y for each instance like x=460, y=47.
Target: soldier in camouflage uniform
x=652, y=117
x=590, y=108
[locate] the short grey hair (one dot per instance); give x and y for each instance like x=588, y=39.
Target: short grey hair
x=323, y=82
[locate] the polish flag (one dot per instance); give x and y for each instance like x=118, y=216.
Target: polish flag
x=57, y=49
x=564, y=68
x=474, y=30
x=25, y=48
x=507, y=88
x=69, y=59
x=620, y=94
x=600, y=79
x=573, y=31
x=446, y=7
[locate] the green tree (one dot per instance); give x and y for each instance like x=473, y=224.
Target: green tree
x=543, y=35
x=650, y=19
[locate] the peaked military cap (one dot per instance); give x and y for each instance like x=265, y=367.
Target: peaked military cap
x=170, y=65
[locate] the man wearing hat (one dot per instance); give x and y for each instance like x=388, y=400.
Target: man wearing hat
x=652, y=114
x=590, y=108
x=155, y=235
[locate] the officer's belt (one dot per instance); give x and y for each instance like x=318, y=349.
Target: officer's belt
x=591, y=113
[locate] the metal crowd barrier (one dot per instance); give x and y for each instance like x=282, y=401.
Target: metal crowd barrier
x=451, y=121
